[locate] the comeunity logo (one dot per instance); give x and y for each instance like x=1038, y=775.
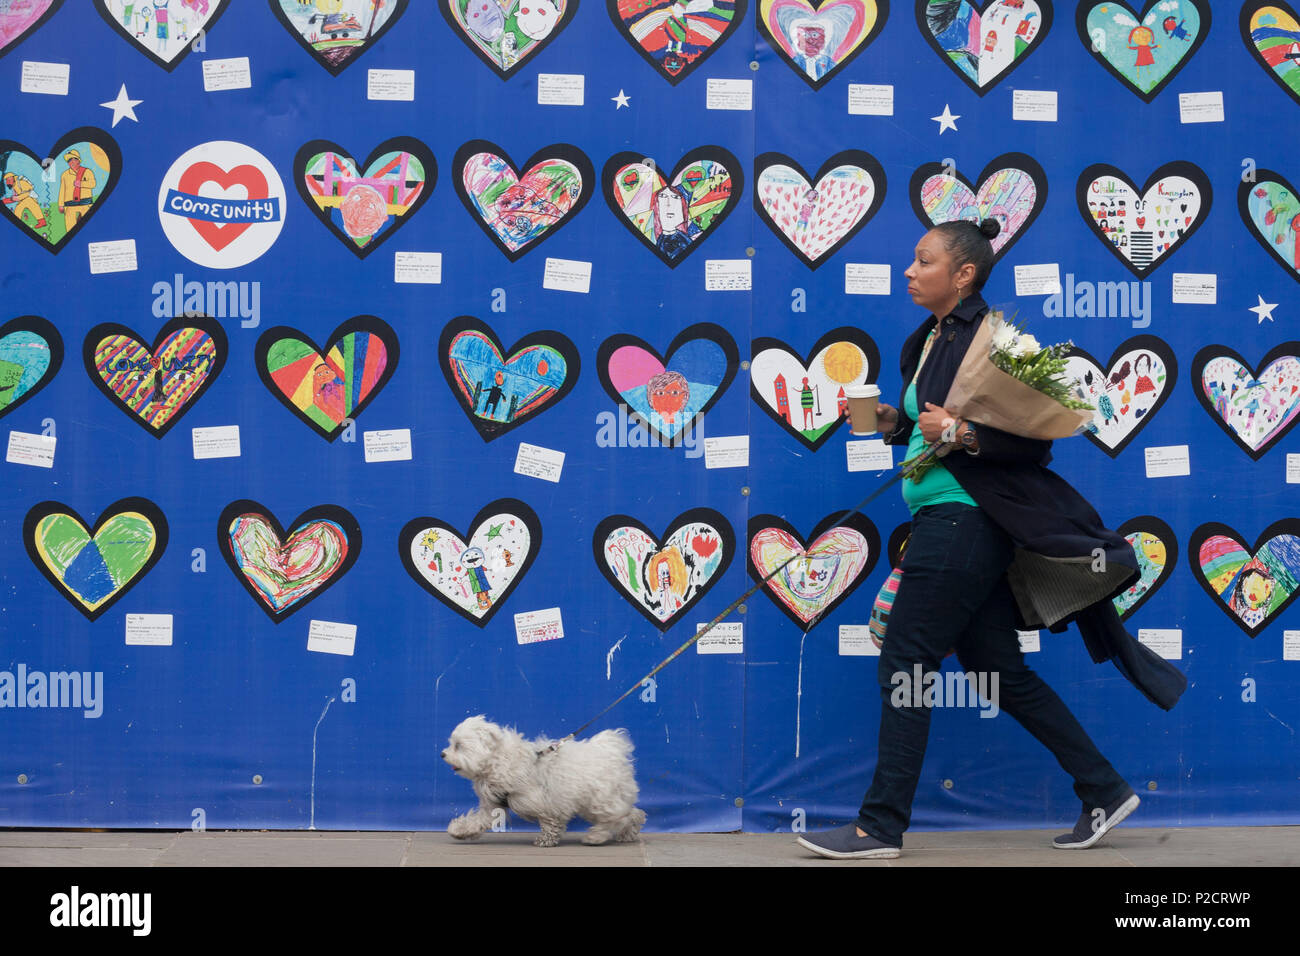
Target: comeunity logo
x=221, y=204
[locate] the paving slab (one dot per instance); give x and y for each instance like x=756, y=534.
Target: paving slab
x=1124, y=847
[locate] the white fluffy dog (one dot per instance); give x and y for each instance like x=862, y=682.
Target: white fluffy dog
x=591, y=779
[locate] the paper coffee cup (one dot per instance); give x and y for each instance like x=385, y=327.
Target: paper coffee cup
x=862, y=407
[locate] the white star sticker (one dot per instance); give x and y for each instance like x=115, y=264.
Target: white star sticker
x=946, y=120
x=620, y=101
x=122, y=106
x=1264, y=310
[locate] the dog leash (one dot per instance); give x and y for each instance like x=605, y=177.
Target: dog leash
x=921, y=459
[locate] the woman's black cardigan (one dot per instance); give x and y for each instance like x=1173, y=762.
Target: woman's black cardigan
x=1067, y=564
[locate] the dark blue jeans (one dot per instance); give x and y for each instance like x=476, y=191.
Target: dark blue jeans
x=954, y=594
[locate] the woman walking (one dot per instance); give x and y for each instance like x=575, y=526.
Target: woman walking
x=997, y=542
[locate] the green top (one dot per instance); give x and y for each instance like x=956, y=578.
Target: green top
x=937, y=486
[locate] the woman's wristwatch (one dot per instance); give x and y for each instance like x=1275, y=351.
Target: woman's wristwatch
x=968, y=440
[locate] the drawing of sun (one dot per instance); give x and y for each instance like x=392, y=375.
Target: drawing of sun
x=843, y=362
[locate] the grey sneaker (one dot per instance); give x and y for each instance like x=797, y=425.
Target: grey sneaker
x=1093, y=824
x=843, y=843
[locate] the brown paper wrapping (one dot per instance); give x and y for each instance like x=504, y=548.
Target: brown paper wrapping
x=983, y=393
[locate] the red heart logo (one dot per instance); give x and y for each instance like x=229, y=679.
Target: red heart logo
x=216, y=235
x=1142, y=221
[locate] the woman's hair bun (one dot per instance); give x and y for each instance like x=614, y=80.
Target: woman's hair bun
x=990, y=228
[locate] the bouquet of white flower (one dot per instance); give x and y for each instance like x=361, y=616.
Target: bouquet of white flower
x=1011, y=382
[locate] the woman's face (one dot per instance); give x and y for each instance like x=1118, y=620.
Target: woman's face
x=931, y=281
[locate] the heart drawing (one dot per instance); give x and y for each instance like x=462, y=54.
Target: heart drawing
x=335, y=40
x=94, y=567
x=676, y=36
x=19, y=20
x=1012, y=190
x=1271, y=32
x=31, y=353
x=1142, y=227
x=155, y=386
x=164, y=32
x=818, y=40
x=1256, y=409
x=1271, y=211
x=983, y=45
x=285, y=571
x=499, y=389
x=672, y=216
x=668, y=394
x=326, y=389
x=1251, y=585
x=1143, y=52
x=1127, y=391
x=473, y=573
x=805, y=395
x=815, y=218
x=50, y=198
x=516, y=211
x=505, y=33
x=811, y=579
x=1156, y=549
x=663, y=577
x=363, y=206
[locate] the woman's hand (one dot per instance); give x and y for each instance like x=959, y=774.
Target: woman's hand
x=931, y=421
x=886, y=418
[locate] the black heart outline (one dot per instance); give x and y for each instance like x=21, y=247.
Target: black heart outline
x=358, y=323
x=1081, y=25
x=704, y=515
x=399, y=8
x=204, y=323
x=897, y=542
x=1248, y=10
x=1152, y=525
x=1209, y=352
x=221, y=7
x=1178, y=167
x=845, y=333
x=405, y=144
x=1212, y=528
x=882, y=14
x=856, y=157
x=502, y=505
x=1147, y=343
x=1243, y=207
x=701, y=330
x=562, y=151
x=46, y=330
x=335, y=513
x=36, y=25
x=1019, y=161
x=489, y=430
x=144, y=506
x=623, y=28
x=89, y=134
x=856, y=521
x=570, y=11
x=716, y=153
x=1044, y=6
